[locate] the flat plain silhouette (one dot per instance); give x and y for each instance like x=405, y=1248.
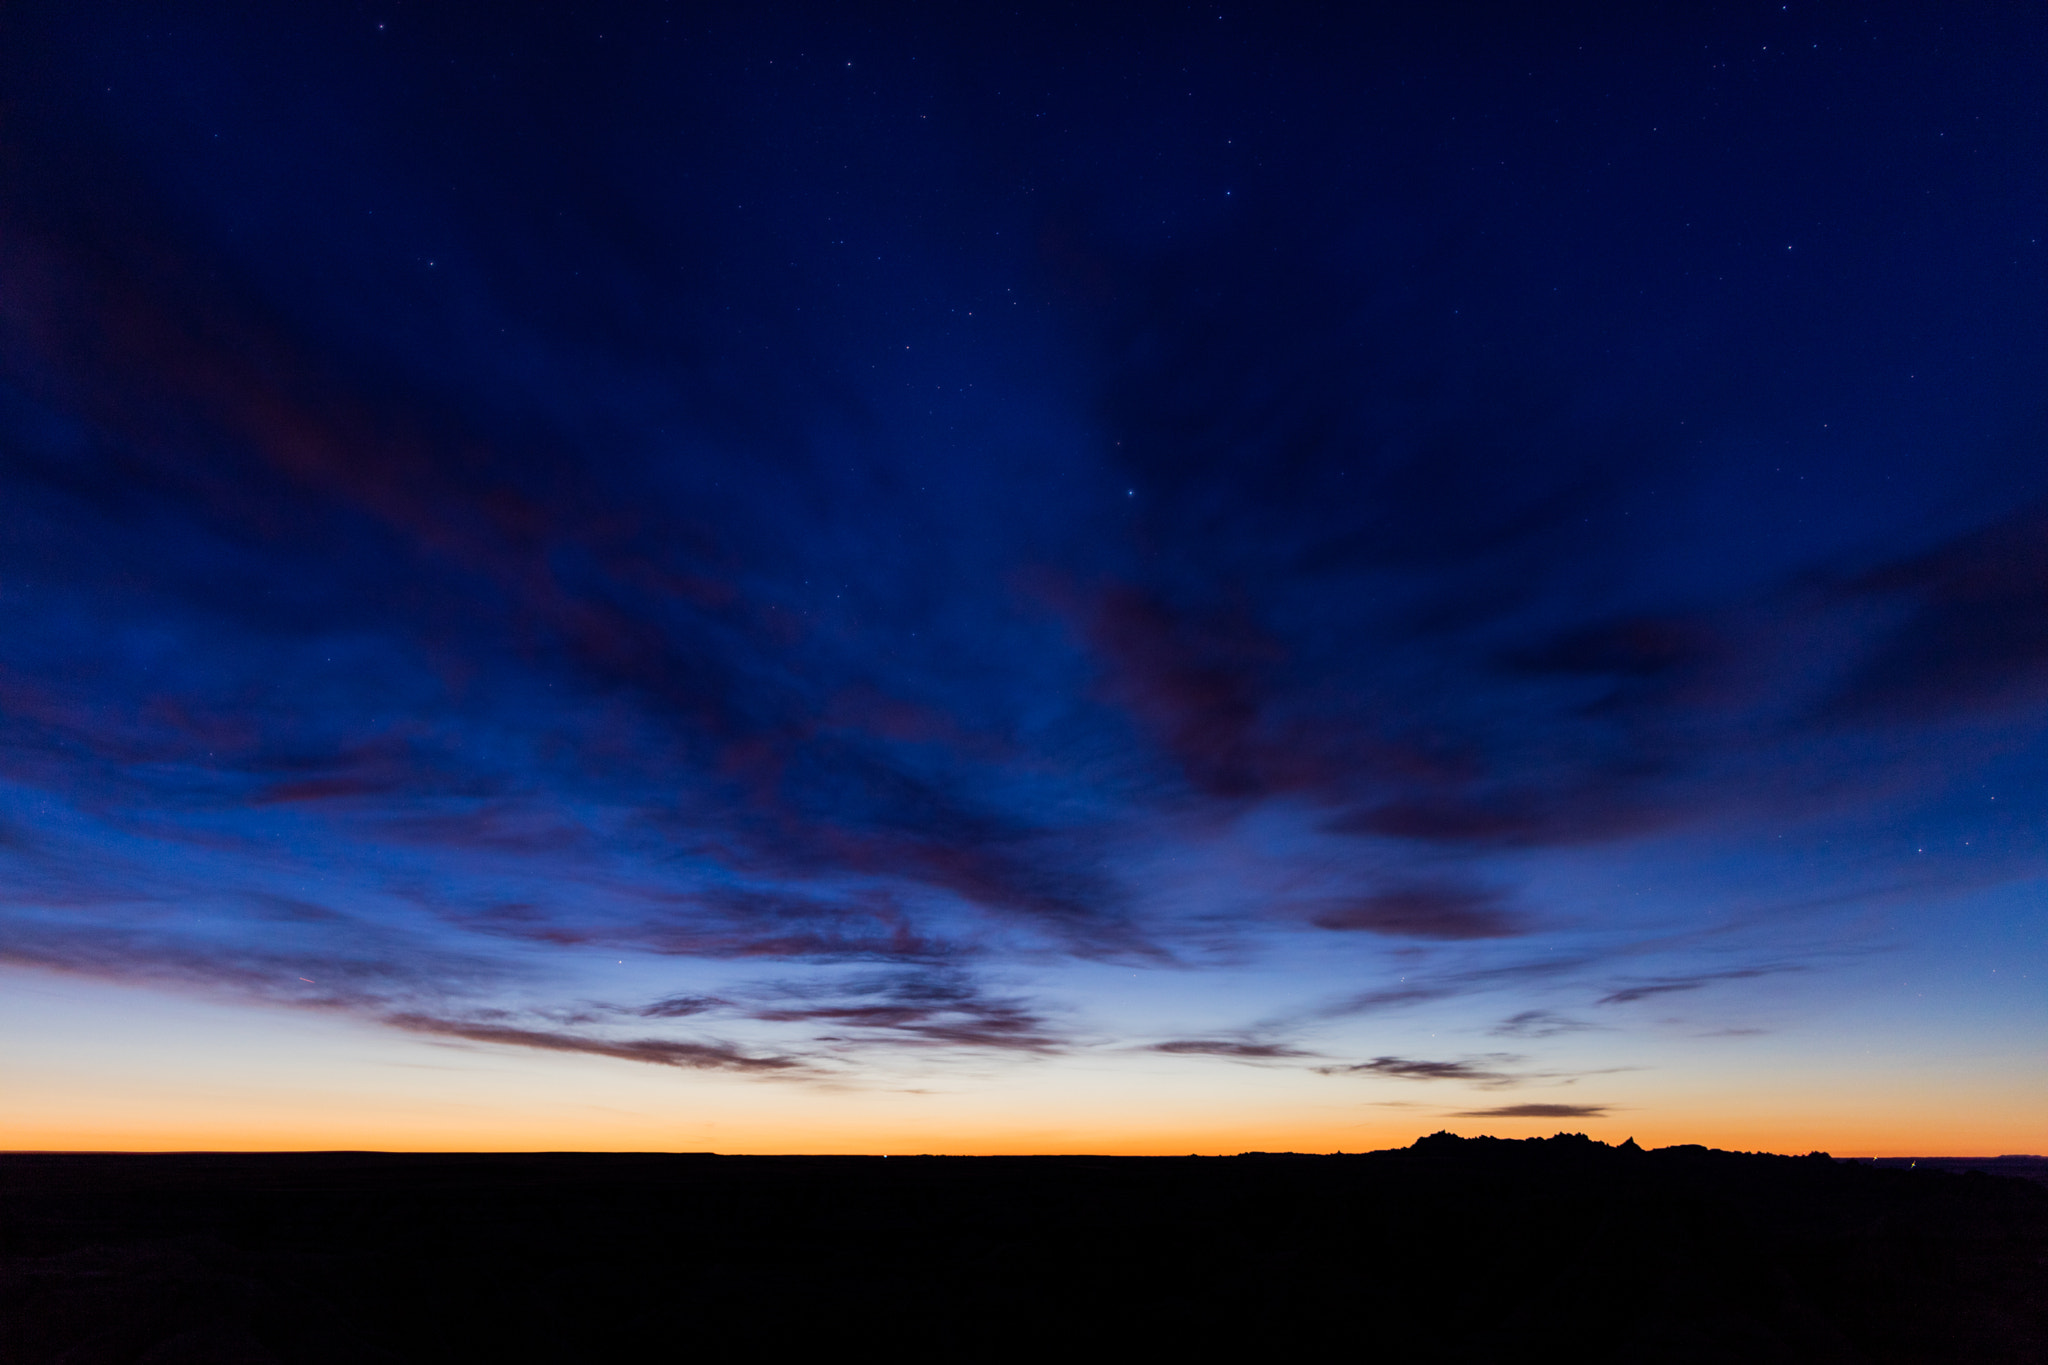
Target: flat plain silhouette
x=1452, y=1249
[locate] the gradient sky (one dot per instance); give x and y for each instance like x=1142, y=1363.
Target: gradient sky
x=747, y=578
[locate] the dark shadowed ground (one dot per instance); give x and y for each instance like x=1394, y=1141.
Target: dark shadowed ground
x=1453, y=1249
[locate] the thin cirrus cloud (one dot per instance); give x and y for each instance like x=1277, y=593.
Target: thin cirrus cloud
x=1486, y=1073
x=1425, y=912
x=699, y=1056
x=1698, y=981
x=1233, y=1049
x=1538, y=1024
x=944, y=1007
x=1972, y=635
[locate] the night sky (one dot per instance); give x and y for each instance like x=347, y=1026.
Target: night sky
x=1093, y=579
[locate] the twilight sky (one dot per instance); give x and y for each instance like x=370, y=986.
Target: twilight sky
x=740, y=577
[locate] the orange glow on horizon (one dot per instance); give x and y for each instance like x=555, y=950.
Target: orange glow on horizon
x=187, y=1073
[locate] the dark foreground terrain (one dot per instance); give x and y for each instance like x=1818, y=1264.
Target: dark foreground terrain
x=1452, y=1249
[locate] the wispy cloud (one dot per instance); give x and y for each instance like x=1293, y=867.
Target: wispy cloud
x=1492, y=1071
x=1537, y=1111
x=1538, y=1024
x=1419, y=985
x=1670, y=985
x=1970, y=634
x=697, y=1056
x=1440, y=911
x=1237, y=1050
x=1483, y=1073
x=679, y=1007
x=943, y=1008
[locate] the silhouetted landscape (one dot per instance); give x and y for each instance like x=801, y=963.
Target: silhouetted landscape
x=1451, y=1249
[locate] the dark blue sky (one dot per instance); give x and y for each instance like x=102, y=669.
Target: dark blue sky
x=1424, y=553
